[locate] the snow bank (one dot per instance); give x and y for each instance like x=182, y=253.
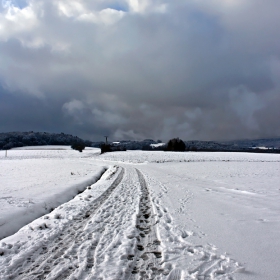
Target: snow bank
x=33, y=182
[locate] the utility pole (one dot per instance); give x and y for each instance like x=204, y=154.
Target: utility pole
x=106, y=139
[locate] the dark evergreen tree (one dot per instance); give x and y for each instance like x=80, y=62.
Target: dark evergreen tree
x=176, y=145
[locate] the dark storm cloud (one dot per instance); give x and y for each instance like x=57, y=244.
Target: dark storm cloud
x=26, y=113
x=132, y=69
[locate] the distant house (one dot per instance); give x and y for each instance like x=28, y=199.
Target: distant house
x=116, y=143
x=157, y=145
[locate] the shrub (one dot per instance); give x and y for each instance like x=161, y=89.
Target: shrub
x=79, y=146
x=105, y=148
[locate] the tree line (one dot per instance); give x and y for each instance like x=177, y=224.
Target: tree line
x=20, y=139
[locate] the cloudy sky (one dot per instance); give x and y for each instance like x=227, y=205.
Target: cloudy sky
x=136, y=69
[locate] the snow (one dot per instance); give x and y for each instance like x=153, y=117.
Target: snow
x=157, y=145
x=48, y=148
x=163, y=157
x=232, y=206
x=158, y=215
x=35, y=180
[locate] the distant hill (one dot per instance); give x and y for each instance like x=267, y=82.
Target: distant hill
x=271, y=143
x=261, y=145
x=258, y=145
x=11, y=140
x=19, y=139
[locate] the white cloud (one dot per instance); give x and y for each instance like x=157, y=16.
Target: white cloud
x=245, y=103
x=75, y=110
x=73, y=106
x=106, y=16
x=71, y=8
x=107, y=118
x=14, y=21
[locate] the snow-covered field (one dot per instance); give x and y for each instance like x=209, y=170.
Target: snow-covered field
x=152, y=215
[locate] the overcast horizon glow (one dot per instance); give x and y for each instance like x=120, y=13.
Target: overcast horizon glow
x=140, y=69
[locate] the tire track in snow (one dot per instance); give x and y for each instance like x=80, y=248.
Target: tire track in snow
x=48, y=262
x=147, y=259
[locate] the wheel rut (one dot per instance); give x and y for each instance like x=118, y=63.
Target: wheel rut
x=148, y=255
x=114, y=237
x=47, y=261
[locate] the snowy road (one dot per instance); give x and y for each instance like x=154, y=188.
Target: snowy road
x=114, y=234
